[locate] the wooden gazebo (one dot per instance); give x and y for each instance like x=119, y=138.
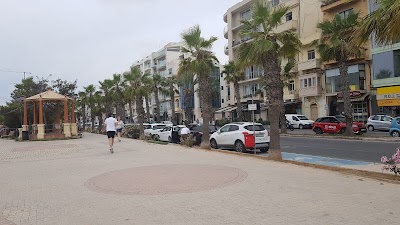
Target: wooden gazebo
x=69, y=128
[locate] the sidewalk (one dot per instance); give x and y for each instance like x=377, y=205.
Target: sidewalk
x=80, y=182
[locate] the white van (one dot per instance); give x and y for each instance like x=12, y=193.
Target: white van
x=299, y=121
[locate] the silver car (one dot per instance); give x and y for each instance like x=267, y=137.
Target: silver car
x=379, y=122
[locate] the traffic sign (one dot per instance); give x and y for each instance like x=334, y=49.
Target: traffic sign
x=252, y=107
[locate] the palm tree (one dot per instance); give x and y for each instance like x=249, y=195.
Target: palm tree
x=82, y=103
x=137, y=82
x=91, y=101
x=186, y=84
x=268, y=48
x=157, y=89
x=117, y=88
x=234, y=74
x=106, y=88
x=129, y=96
x=99, y=107
x=336, y=44
x=201, y=63
x=383, y=23
x=147, y=96
x=169, y=90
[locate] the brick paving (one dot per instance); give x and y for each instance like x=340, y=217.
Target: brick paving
x=80, y=182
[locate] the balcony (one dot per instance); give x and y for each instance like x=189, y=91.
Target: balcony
x=235, y=44
x=226, y=48
x=161, y=64
x=310, y=91
x=288, y=95
x=226, y=17
x=226, y=32
x=328, y=5
x=160, y=54
x=289, y=25
x=310, y=64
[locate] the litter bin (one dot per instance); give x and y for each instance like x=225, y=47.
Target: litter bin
x=25, y=135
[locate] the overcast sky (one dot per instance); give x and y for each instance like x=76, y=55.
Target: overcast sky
x=89, y=40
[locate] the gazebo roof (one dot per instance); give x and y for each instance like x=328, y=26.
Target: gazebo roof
x=48, y=95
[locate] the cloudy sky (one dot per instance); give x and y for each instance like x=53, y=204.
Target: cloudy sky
x=89, y=40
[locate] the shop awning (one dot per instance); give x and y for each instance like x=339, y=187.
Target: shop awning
x=224, y=109
x=231, y=109
x=360, y=99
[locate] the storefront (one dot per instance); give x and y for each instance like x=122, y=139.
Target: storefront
x=388, y=100
x=359, y=105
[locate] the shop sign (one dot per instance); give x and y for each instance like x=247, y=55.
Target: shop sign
x=388, y=90
x=389, y=102
x=388, y=96
x=353, y=94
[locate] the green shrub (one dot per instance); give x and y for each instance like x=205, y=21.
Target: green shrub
x=188, y=141
x=132, y=131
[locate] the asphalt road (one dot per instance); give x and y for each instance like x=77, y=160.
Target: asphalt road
x=360, y=150
x=368, y=134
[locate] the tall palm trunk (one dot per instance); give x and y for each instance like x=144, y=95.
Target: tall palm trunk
x=343, y=68
x=283, y=117
x=93, y=117
x=274, y=85
x=140, y=114
x=238, y=102
x=100, y=116
x=158, y=111
x=146, y=97
x=130, y=111
x=172, y=104
x=188, y=105
x=84, y=116
x=206, y=104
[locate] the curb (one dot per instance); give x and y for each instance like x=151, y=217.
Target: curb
x=389, y=139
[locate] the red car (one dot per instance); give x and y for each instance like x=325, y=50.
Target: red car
x=336, y=125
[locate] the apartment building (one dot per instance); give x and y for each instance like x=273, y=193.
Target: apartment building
x=385, y=75
x=359, y=68
x=166, y=62
x=304, y=92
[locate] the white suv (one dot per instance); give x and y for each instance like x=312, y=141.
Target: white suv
x=151, y=129
x=239, y=136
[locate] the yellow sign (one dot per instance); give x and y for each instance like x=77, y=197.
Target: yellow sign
x=388, y=90
x=389, y=102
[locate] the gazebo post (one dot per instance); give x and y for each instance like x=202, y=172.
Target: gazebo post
x=67, y=125
x=34, y=114
x=58, y=127
x=40, y=134
x=74, y=128
x=25, y=124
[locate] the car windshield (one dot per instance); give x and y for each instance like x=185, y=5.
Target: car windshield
x=256, y=127
x=302, y=118
x=158, y=127
x=199, y=128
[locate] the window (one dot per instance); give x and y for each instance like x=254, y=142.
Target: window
x=222, y=100
x=233, y=128
x=346, y=13
x=305, y=83
x=311, y=54
x=256, y=127
x=170, y=71
x=396, y=56
x=291, y=86
x=289, y=16
x=275, y=2
x=246, y=15
x=222, y=88
x=229, y=90
x=225, y=128
x=253, y=72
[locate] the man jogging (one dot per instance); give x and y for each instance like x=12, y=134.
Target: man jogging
x=111, y=123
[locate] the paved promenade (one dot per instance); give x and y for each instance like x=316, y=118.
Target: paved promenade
x=80, y=182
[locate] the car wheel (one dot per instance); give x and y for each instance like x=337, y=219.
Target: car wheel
x=214, y=144
x=169, y=139
x=301, y=126
x=264, y=150
x=343, y=130
x=318, y=130
x=395, y=134
x=371, y=128
x=239, y=146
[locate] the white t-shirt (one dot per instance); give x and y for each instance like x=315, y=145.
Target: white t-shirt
x=120, y=124
x=185, y=130
x=110, y=124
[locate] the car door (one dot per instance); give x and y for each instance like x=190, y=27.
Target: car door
x=164, y=133
x=295, y=121
x=222, y=134
x=232, y=135
x=386, y=121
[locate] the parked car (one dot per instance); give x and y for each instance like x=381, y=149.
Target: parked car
x=336, y=125
x=165, y=134
x=379, y=122
x=152, y=128
x=240, y=136
x=299, y=121
x=197, y=131
x=395, y=127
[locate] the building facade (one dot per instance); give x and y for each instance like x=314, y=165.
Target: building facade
x=385, y=75
x=303, y=92
x=359, y=68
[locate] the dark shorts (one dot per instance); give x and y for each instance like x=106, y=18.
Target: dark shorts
x=110, y=134
x=119, y=130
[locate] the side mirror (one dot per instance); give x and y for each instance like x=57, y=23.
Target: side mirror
x=219, y=131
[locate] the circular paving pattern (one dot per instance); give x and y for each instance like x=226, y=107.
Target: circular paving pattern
x=165, y=179
x=5, y=222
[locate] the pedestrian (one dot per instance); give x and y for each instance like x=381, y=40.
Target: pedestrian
x=120, y=126
x=184, y=133
x=110, y=124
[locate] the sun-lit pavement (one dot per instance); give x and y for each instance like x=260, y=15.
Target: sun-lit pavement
x=80, y=182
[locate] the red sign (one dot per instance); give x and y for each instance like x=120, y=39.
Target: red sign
x=353, y=94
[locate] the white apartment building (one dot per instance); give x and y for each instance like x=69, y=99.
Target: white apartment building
x=304, y=93
x=166, y=63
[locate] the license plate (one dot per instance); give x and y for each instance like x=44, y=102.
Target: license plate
x=363, y=129
x=260, y=135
